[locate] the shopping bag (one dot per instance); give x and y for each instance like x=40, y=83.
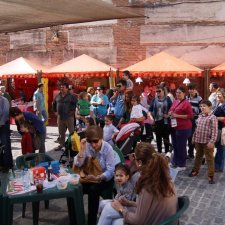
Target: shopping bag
x=91, y=166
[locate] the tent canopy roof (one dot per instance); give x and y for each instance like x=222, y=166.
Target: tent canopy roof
x=18, y=15
x=81, y=64
x=218, y=70
x=19, y=66
x=163, y=63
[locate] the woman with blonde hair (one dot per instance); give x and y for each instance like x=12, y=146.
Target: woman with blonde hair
x=219, y=112
x=157, y=198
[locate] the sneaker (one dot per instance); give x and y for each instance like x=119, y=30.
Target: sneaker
x=172, y=165
x=210, y=179
x=190, y=157
x=203, y=161
x=59, y=148
x=181, y=168
x=218, y=171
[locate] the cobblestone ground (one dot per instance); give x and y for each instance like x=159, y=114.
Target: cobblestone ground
x=206, y=201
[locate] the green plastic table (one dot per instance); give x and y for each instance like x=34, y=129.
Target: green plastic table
x=73, y=194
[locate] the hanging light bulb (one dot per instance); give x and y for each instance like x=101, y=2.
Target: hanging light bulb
x=138, y=80
x=186, y=81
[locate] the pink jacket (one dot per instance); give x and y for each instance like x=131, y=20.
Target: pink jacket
x=184, y=108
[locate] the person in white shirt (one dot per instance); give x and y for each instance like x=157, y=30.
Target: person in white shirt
x=137, y=110
x=109, y=130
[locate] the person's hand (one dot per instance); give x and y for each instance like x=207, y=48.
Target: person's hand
x=124, y=201
x=98, y=178
x=117, y=205
x=82, y=146
x=91, y=177
x=166, y=116
x=210, y=145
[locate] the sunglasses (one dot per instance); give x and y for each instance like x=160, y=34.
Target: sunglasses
x=158, y=91
x=119, y=86
x=93, y=141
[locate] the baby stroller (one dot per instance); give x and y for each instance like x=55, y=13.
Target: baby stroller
x=72, y=147
x=127, y=138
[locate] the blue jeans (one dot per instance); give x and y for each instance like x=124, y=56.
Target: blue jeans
x=179, y=141
x=42, y=137
x=219, y=157
x=42, y=115
x=108, y=215
x=5, y=140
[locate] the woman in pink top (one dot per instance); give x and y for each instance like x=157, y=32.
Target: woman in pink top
x=156, y=200
x=181, y=115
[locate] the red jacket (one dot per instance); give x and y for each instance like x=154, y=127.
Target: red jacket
x=26, y=143
x=184, y=108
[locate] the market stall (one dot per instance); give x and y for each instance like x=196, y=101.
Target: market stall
x=80, y=72
x=164, y=67
x=21, y=78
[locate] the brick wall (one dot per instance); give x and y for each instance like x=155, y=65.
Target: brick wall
x=193, y=31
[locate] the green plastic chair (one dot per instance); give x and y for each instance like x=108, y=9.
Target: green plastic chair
x=31, y=160
x=183, y=203
x=119, y=157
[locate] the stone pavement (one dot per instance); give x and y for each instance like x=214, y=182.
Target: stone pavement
x=206, y=201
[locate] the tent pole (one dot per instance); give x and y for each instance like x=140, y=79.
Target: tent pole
x=206, y=83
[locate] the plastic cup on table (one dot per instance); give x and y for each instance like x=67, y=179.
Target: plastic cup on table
x=18, y=175
x=61, y=183
x=39, y=185
x=74, y=179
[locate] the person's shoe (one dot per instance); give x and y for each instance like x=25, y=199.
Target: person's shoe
x=4, y=169
x=172, y=165
x=203, y=161
x=193, y=173
x=59, y=148
x=179, y=169
x=57, y=140
x=218, y=171
x=211, y=180
x=190, y=157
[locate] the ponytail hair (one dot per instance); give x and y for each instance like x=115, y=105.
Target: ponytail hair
x=155, y=177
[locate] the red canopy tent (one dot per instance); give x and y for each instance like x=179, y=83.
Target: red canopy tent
x=164, y=65
x=19, y=68
x=24, y=72
x=218, y=71
x=82, y=66
x=81, y=72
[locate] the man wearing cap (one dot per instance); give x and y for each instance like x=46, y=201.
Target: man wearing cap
x=39, y=103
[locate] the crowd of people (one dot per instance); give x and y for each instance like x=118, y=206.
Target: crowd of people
x=144, y=186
